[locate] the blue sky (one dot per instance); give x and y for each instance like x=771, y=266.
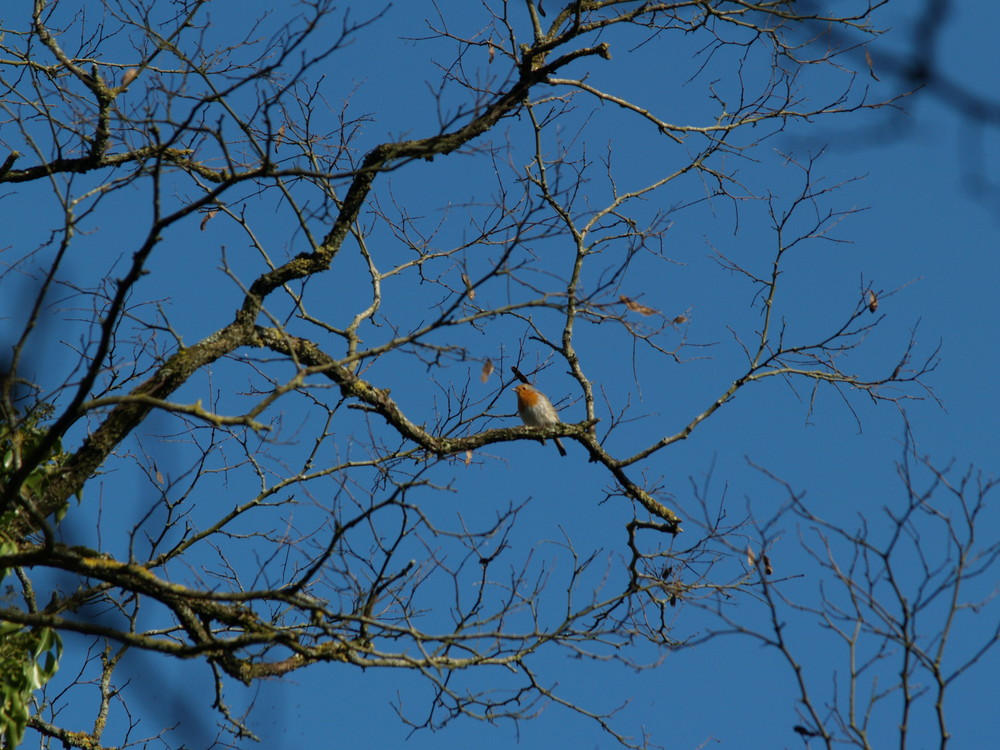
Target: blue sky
x=925, y=229
x=919, y=221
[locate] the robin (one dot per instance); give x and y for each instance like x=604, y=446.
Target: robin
x=536, y=410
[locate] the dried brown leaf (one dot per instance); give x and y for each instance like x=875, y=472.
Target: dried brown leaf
x=768, y=570
x=468, y=457
x=872, y=301
x=751, y=557
x=871, y=66
x=638, y=307
x=468, y=287
x=486, y=371
x=208, y=217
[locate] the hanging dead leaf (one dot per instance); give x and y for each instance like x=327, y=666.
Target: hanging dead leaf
x=680, y=320
x=130, y=75
x=208, y=217
x=492, y=50
x=768, y=570
x=638, y=307
x=468, y=457
x=279, y=137
x=751, y=557
x=872, y=301
x=487, y=371
x=871, y=66
x=468, y=287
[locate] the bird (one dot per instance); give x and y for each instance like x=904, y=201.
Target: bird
x=536, y=410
